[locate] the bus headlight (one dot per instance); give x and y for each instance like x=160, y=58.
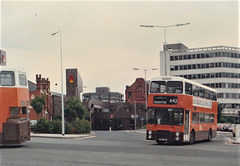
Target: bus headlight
x=150, y=132
x=177, y=138
x=177, y=134
x=149, y=136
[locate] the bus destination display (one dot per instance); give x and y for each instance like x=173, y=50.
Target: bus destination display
x=165, y=100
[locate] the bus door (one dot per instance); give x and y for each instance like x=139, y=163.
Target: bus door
x=186, y=134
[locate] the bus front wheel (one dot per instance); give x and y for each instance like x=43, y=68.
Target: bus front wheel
x=192, y=137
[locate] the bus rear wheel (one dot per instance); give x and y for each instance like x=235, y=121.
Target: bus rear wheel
x=192, y=137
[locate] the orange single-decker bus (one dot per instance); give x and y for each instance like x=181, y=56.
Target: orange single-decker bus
x=181, y=110
x=14, y=102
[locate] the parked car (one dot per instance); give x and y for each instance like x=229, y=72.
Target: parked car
x=224, y=127
x=219, y=126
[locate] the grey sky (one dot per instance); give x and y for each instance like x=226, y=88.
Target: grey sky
x=104, y=40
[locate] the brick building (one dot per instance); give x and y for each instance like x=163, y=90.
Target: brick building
x=136, y=92
x=106, y=108
x=41, y=88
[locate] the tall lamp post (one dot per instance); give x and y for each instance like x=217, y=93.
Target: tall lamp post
x=165, y=36
x=63, y=127
x=145, y=78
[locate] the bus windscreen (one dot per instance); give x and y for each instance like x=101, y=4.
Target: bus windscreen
x=166, y=87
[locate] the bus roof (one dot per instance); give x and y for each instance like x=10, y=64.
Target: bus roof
x=5, y=68
x=174, y=78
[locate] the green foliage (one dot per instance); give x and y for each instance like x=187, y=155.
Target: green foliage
x=81, y=126
x=226, y=120
x=57, y=126
x=74, y=110
x=57, y=117
x=68, y=128
x=38, y=104
x=43, y=126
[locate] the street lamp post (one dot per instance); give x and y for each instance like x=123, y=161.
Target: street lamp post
x=165, y=36
x=145, y=78
x=63, y=127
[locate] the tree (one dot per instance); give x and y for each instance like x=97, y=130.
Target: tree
x=219, y=115
x=74, y=110
x=38, y=104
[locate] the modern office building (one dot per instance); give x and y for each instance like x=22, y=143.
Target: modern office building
x=105, y=95
x=217, y=67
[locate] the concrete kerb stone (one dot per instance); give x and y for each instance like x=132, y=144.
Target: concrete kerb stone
x=236, y=141
x=66, y=136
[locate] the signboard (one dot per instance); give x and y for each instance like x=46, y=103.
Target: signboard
x=202, y=103
x=71, y=79
x=2, y=58
x=173, y=100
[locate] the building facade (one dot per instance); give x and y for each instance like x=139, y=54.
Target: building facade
x=105, y=95
x=136, y=92
x=74, y=83
x=217, y=67
x=107, y=110
x=41, y=88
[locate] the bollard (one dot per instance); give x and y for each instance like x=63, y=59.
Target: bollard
x=110, y=128
x=237, y=134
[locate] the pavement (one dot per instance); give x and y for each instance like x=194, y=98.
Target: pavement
x=65, y=136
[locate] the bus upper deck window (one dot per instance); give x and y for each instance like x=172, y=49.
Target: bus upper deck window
x=188, y=88
x=175, y=87
x=7, y=78
x=22, y=80
x=158, y=87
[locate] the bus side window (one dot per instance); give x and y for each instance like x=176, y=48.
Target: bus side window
x=201, y=117
x=195, y=90
x=211, y=118
x=212, y=96
x=201, y=92
x=207, y=94
x=188, y=88
x=195, y=118
x=22, y=80
x=207, y=118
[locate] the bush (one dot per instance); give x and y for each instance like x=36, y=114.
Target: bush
x=86, y=126
x=68, y=128
x=57, y=127
x=81, y=126
x=78, y=125
x=43, y=126
x=57, y=117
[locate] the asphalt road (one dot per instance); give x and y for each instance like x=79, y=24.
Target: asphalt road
x=119, y=148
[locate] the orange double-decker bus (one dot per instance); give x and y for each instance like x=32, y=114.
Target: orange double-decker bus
x=181, y=110
x=14, y=102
